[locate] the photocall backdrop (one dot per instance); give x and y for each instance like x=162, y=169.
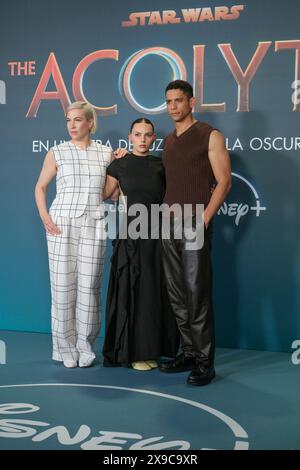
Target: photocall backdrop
x=243, y=60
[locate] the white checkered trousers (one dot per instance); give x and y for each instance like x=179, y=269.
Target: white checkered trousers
x=76, y=256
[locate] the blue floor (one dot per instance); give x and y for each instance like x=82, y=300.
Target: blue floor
x=254, y=403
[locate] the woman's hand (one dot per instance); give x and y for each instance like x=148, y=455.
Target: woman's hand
x=119, y=153
x=49, y=225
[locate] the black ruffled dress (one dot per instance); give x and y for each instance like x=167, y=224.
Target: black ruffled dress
x=140, y=324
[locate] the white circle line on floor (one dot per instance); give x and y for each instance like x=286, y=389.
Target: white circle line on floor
x=237, y=430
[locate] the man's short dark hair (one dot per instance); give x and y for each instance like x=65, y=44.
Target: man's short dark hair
x=182, y=85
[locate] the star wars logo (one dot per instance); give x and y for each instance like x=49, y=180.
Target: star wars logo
x=186, y=15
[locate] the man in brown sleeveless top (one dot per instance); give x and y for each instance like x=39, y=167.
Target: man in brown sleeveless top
x=195, y=159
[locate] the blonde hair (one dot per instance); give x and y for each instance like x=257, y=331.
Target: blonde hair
x=88, y=110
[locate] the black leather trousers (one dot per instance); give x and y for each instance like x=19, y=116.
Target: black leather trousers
x=189, y=283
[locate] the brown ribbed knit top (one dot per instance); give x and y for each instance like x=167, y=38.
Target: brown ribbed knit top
x=189, y=175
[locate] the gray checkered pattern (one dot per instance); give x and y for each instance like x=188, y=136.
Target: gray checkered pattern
x=76, y=263
x=80, y=179
x=76, y=256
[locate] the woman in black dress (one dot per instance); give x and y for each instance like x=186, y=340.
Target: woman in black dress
x=140, y=325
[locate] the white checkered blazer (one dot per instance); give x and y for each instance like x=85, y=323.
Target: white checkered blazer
x=80, y=179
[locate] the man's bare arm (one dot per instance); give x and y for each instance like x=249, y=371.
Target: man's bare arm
x=220, y=162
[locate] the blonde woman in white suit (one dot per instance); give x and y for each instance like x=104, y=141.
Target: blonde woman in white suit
x=76, y=235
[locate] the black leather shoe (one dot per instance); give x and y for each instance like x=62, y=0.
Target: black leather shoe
x=181, y=363
x=201, y=375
